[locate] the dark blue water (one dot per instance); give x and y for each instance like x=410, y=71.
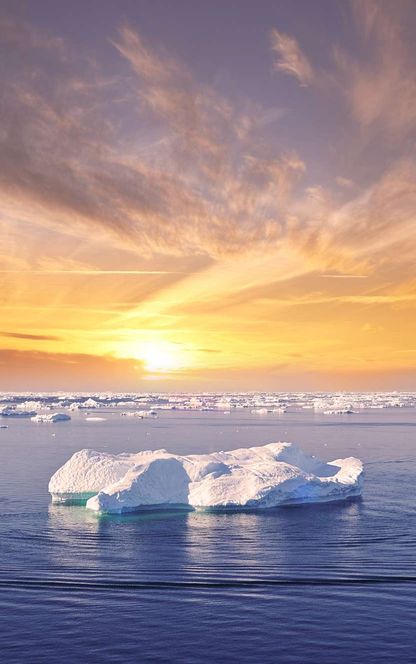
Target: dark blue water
x=328, y=583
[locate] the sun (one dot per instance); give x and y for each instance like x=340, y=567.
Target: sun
x=161, y=356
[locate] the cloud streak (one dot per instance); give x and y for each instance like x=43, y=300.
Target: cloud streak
x=381, y=90
x=89, y=273
x=290, y=59
x=30, y=337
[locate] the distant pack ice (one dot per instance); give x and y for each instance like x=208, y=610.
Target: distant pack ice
x=254, y=477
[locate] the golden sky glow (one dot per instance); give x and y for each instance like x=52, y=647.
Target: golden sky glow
x=170, y=222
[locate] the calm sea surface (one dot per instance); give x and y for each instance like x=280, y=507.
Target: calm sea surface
x=328, y=583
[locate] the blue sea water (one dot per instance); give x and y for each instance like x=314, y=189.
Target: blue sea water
x=312, y=584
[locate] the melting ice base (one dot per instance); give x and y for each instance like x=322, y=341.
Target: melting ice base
x=254, y=477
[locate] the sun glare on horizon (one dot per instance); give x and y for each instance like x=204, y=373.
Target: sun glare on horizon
x=161, y=356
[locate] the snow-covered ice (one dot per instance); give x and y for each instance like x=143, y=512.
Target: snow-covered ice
x=14, y=412
x=255, y=477
x=51, y=418
x=150, y=404
x=141, y=414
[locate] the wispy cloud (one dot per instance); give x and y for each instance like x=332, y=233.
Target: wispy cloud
x=380, y=87
x=290, y=59
x=90, y=273
x=30, y=337
x=344, y=276
x=208, y=187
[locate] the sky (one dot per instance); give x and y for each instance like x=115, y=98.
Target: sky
x=207, y=195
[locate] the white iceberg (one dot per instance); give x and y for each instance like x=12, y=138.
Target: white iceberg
x=89, y=404
x=141, y=414
x=255, y=477
x=14, y=412
x=51, y=418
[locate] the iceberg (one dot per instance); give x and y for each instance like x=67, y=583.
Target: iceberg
x=89, y=404
x=51, y=418
x=14, y=412
x=141, y=414
x=254, y=477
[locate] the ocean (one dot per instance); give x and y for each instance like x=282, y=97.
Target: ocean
x=327, y=583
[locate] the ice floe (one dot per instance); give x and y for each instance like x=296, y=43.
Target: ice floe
x=255, y=477
x=141, y=414
x=15, y=412
x=50, y=418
